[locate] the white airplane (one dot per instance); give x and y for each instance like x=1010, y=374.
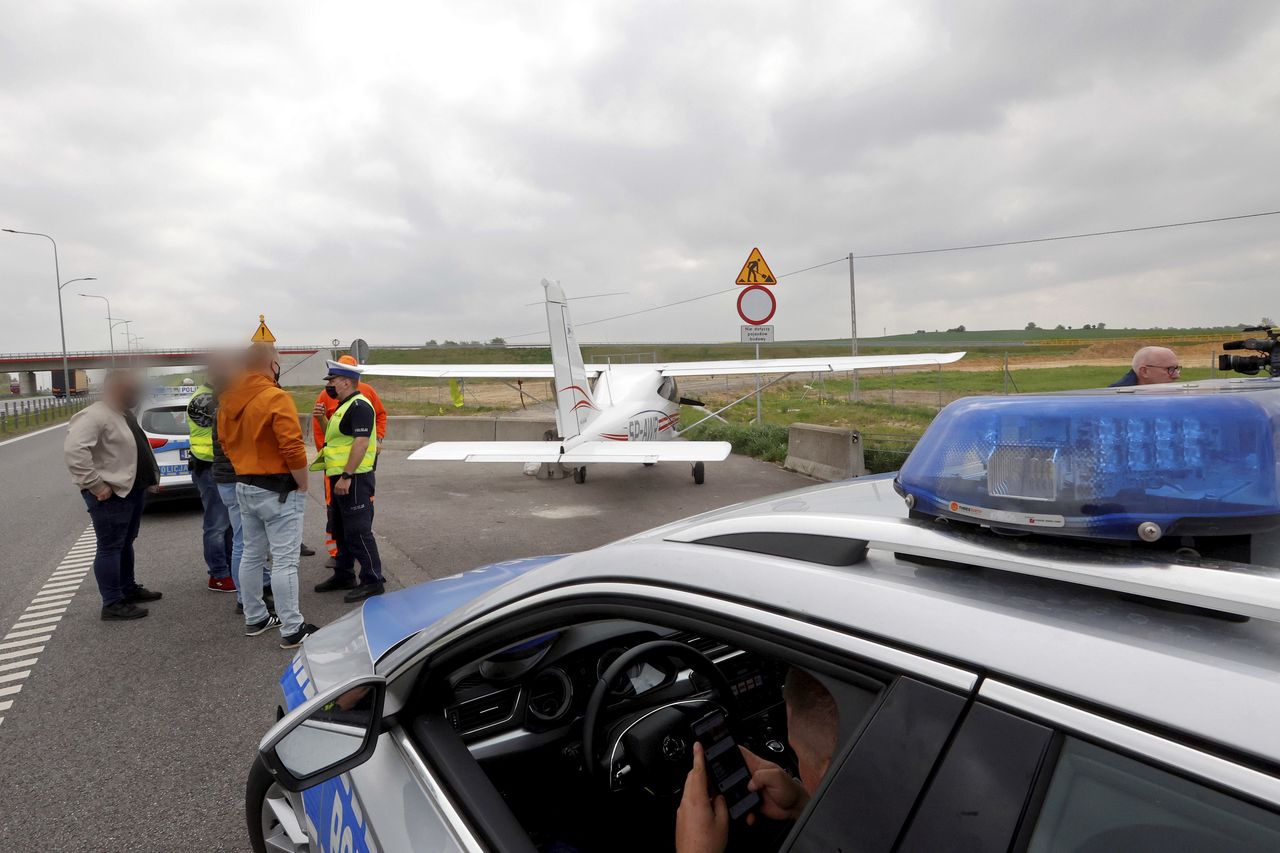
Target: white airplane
x=630, y=414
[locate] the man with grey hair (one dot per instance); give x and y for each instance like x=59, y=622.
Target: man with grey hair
x=1151, y=366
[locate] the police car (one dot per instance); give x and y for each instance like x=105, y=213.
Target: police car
x=1056, y=629
x=163, y=418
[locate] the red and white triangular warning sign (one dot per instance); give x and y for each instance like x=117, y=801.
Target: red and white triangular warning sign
x=755, y=270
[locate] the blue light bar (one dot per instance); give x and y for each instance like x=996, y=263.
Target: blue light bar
x=1107, y=464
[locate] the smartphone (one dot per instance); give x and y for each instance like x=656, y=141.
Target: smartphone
x=727, y=772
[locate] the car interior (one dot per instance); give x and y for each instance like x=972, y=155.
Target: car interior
x=578, y=737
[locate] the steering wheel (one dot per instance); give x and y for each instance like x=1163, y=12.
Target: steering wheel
x=653, y=747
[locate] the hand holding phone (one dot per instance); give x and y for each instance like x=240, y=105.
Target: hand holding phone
x=727, y=771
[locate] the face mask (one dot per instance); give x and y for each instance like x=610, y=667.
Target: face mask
x=275, y=371
x=131, y=401
x=331, y=391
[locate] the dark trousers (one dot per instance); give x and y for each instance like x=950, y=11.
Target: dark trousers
x=217, y=524
x=351, y=523
x=115, y=524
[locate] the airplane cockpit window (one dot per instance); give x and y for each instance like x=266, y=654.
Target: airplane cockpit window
x=669, y=390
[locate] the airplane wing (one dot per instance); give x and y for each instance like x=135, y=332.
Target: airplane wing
x=465, y=371
x=805, y=365
x=621, y=452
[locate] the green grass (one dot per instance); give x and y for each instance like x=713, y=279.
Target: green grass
x=1026, y=380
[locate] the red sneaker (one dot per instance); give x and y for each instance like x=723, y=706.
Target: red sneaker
x=222, y=584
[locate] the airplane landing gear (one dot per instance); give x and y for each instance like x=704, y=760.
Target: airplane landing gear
x=699, y=473
x=580, y=474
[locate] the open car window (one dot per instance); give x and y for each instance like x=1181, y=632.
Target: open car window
x=508, y=720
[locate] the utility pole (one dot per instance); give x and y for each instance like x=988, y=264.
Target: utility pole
x=853, y=318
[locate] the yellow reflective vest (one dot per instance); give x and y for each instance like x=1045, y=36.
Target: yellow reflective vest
x=201, y=436
x=337, y=446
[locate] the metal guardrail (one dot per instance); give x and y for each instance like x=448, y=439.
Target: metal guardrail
x=21, y=415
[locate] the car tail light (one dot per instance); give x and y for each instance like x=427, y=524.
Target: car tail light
x=157, y=442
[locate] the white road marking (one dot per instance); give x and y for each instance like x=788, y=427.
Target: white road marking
x=20, y=648
x=18, y=664
x=30, y=641
x=33, y=434
x=21, y=653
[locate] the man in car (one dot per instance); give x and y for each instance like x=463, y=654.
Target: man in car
x=111, y=461
x=1151, y=366
x=813, y=724
x=202, y=412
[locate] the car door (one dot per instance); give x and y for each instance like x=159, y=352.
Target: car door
x=1071, y=781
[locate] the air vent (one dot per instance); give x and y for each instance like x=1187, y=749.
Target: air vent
x=482, y=713
x=707, y=646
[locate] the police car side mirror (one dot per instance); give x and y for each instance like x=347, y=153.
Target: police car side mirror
x=326, y=735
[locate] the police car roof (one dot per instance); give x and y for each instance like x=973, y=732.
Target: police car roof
x=1212, y=678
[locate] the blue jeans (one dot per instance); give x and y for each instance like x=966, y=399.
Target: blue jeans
x=115, y=524
x=227, y=491
x=269, y=524
x=217, y=524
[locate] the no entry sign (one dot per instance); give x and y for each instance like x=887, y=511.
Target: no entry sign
x=756, y=305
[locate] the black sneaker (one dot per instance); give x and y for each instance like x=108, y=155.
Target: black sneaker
x=120, y=611
x=365, y=590
x=261, y=627
x=305, y=551
x=141, y=593
x=295, y=639
x=335, y=583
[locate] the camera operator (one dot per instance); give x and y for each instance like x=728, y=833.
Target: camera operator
x=1151, y=366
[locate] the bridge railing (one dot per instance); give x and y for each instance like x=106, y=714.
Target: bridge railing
x=135, y=353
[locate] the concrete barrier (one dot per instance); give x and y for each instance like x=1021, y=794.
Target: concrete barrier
x=524, y=429
x=405, y=432
x=460, y=428
x=825, y=452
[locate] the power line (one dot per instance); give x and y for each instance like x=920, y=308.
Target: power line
x=1065, y=236
x=845, y=258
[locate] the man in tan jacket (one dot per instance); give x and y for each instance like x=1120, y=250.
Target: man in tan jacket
x=111, y=462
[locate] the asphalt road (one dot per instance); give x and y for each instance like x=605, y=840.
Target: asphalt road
x=137, y=736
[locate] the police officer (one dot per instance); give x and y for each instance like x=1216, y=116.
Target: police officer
x=202, y=411
x=350, y=448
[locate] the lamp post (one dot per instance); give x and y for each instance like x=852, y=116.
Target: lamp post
x=110, y=336
x=57, y=279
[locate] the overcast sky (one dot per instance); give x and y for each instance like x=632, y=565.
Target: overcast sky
x=405, y=171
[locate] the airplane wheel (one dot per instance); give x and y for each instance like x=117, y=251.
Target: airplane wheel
x=580, y=475
x=699, y=473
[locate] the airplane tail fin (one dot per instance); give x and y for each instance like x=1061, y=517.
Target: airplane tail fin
x=575, y=407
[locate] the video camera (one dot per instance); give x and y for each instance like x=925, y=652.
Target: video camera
x=1250, y=365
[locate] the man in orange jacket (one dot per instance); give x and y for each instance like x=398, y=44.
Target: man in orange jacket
x=323, y=410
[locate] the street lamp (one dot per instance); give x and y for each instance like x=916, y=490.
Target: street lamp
x=57, y=279
x=111, y=338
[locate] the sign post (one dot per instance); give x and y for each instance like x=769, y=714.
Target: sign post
x=756, y=307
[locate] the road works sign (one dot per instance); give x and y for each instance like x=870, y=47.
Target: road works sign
x=757, y=334
x=263, y=335
x=755, y=270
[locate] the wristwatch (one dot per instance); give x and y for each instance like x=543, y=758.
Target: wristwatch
x=344, y=476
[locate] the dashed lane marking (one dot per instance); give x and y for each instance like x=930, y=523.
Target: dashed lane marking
x=20, y=648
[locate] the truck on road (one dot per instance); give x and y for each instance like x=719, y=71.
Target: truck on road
x=79, y=385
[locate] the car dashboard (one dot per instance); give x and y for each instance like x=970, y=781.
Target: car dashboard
x=535, y=694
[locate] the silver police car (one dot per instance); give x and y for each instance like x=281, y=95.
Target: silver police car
x=1001, y=681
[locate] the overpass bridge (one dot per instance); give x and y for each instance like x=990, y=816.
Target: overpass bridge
x=299, y=365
